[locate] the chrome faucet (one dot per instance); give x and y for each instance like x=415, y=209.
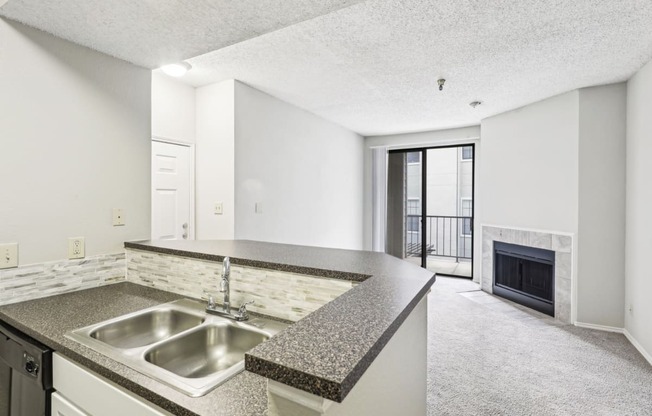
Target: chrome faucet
x=225, y=287
x=225, y=284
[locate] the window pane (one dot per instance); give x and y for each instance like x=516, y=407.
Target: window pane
x=413, y=206
x=467, y=153
x=414, y=157
x=466, y=226
x=413, y=224
x=467, y=207
x=467, y=204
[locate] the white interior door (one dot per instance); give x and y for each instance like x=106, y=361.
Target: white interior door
x=171, y=192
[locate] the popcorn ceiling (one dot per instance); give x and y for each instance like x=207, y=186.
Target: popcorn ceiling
x=372, y=66
x=151, y=33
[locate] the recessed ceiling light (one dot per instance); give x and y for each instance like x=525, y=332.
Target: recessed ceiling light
x=474, y=104
x=175, y=70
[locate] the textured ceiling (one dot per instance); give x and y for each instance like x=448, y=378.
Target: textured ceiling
x=151, y=33
x=371, y=66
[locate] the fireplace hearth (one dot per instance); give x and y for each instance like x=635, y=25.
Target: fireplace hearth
x=525, y=275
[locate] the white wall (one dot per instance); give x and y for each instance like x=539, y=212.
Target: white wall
x=306, y=171
x=173, y=109
x=601, y=231
x=529, y=173
x=215, y=161
x=75, y=135
x=559, y=165
x=639, y=206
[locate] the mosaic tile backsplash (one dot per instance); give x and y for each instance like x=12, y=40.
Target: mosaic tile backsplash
x=283, y=295
x=53, y=278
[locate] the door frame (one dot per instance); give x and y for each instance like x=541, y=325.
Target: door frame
x=191, y=147
x=424, y=175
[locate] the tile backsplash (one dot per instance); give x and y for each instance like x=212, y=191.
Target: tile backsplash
x=281, y=294
x=52, y=278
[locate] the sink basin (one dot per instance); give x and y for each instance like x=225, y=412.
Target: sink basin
x=177, y=343
x=145, y=328
x=205, y=351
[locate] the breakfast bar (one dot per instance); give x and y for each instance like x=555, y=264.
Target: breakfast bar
x=355, y=343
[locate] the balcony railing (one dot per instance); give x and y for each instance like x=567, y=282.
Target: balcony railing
x=446, y=236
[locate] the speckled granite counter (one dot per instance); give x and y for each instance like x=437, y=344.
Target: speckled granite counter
x=325, y=353
x=48, y=319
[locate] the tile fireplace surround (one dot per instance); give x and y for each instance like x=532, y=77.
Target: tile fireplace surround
x=561, y=244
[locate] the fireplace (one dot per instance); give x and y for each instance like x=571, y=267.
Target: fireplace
x=525, y=275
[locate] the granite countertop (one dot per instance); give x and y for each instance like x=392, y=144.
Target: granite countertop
x=325, y=353
x=48, y=319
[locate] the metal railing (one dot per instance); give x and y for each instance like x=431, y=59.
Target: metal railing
x=446, y=236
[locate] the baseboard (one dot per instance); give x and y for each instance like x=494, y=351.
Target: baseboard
x=623, y=331
x=600, y=327
x=638, y=346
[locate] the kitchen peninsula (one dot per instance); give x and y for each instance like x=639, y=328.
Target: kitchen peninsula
x=357, y=344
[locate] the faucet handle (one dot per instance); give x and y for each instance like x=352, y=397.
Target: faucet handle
x=242, y=311
x=211, y=302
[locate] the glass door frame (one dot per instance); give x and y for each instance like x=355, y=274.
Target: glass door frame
x=424, y=194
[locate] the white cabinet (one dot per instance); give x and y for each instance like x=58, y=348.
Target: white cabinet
x=62, y=407
x=81, y=392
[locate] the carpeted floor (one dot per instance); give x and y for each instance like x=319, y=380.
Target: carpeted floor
x=488, y=356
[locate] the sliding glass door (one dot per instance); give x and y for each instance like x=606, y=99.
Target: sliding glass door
x=430, y=208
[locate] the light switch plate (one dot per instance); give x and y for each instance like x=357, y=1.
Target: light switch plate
x=118, y=217
x=76, y=248
x=259, y=208
x=8, y=255
x=219, y=208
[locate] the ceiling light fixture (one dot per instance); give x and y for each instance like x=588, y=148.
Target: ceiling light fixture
x=441, y=82
x=474, y=104
x=175, y=70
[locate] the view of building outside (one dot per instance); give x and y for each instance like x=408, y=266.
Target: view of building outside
x=449, y=203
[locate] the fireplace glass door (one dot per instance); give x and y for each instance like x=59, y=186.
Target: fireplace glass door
x=525, y=275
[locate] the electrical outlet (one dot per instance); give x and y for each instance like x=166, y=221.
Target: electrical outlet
x=219, y=208
x=76, y=248
x=118, y=217
x=8, y=255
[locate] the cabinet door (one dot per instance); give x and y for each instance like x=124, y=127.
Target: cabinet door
x=96, y=395
x=62, y=407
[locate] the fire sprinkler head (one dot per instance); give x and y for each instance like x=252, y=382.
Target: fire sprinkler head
x=474, y=104
x=441, y=82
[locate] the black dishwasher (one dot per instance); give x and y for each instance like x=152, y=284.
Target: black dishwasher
x=25, y=374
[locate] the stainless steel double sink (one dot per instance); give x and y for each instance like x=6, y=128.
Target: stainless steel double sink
x=179, y=344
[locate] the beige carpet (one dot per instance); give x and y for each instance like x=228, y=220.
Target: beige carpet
x=487, y=356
